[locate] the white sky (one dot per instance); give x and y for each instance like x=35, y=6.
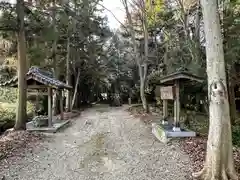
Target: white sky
x=115, y=6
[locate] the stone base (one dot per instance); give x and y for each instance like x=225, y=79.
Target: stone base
x=164, y=132
x=181, y=133
x=57, y=125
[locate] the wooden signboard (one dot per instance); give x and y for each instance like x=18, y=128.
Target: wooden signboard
x=167, y=92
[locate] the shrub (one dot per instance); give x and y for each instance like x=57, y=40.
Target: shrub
x=8, y=95
x=8, y=114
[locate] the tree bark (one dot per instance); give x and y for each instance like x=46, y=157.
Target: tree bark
x=75, y=90
x=54, y=54
x=21, y=115
x=144, y=76
x=197, y=40
x=68, y=77
x=219, y=163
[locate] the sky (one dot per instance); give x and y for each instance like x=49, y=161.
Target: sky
x=115, y=6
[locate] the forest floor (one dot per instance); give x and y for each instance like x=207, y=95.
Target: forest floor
x=103, y=143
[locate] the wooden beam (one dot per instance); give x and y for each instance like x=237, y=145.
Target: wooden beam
x=40, y=93
x=50, y=107
x=37, y=87
x=61, y=105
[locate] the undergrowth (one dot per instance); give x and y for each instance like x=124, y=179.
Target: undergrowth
x=8, y=99
x=198, y=122
x=236, y=135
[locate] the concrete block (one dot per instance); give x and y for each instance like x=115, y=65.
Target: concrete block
x=159, y=133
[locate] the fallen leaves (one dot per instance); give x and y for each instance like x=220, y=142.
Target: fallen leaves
x=14, y=142
x=196, y=149
x=138, y=112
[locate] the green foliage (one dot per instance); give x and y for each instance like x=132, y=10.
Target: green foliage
x=154, y=8
x=236, y=135
x=231, y=25
x=8, y=102
x=8, y=114
x=8, y=95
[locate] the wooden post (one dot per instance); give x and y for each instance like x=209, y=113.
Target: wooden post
x=37, y=102
x=49, y=107
x=165, y=108
x=176, y=107
x=61, y=105
x=129, y=101
x=165, y=112
x=166, y=93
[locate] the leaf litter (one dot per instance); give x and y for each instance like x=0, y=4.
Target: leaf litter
x=16, y=142
x=196, y=149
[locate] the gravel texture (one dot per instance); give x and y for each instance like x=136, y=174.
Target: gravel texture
x=104, y=143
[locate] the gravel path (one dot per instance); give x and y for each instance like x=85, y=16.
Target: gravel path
x=104, y=143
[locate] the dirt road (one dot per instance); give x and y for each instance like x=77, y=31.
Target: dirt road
x=104, y=143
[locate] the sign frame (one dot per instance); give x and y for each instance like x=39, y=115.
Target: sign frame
x=167, y=93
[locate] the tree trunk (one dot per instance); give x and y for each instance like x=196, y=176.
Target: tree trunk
x=68, y=77
x=197, y=41
x=75, y=90
x=54, y=56
x=144, y=75
x=21, y=115
x=219, y=163
x=143, y=97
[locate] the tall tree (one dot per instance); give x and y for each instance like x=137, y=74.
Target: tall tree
x=146, y=52
x=140, y=61
x=54, y=56
x=219, y=163
x=22, y=69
